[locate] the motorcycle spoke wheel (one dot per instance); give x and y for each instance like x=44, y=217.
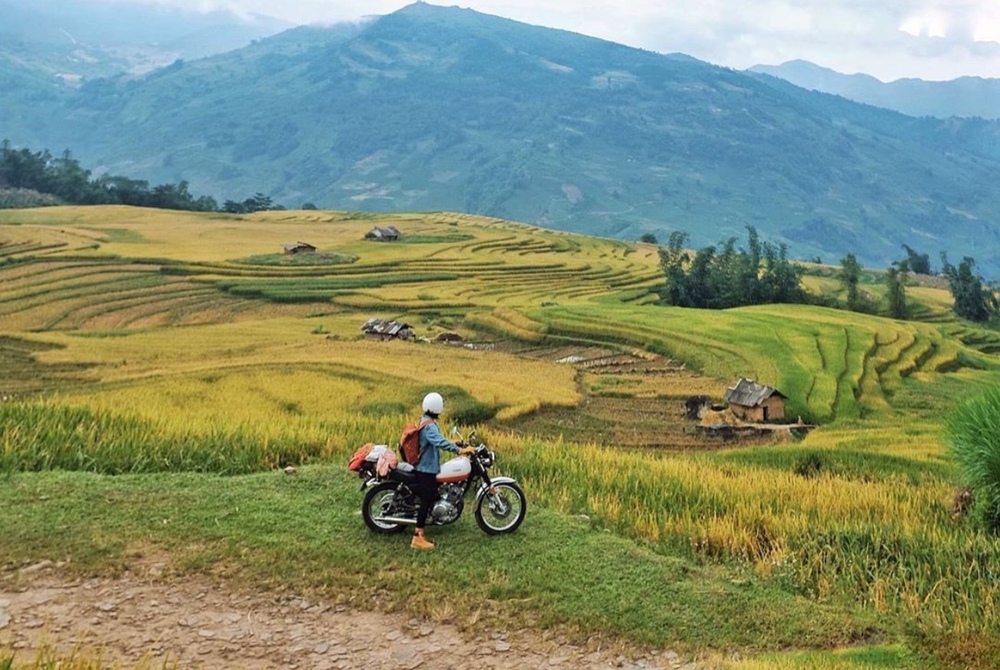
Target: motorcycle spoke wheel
x=501, y=509
x=380, y=501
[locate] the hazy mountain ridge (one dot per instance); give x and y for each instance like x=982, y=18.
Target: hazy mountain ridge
x=963, y=97
x=435, y=108
x=85, y=39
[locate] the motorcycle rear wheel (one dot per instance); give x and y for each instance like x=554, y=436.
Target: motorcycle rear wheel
x=379, y=501
x=502, y=509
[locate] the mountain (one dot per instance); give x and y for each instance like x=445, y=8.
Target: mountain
x=434, y=108
x=80, y=39
x=965, y=96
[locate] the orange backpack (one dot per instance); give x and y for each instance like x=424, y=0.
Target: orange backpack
x=409, y=443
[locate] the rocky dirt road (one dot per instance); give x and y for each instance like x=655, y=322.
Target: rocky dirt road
x=148, y=621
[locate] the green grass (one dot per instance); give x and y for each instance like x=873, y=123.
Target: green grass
x=301, y=260
x=120, y=235
x=434, y=239
x=274, y=530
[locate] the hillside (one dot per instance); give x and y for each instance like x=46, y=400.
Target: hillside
x=964, y=97
x=434, y=108
x=176, y=390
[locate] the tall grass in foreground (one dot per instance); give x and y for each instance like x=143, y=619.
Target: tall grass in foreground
x=973, y=433
x=860, y=524
x=877, y=531
x=48, y=435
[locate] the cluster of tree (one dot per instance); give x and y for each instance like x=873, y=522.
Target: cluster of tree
x=850, y=275
x=719, y=277
x=973, y=300
x=918, y=263
x=23, y=171
x=65, y=179
x=258, y=203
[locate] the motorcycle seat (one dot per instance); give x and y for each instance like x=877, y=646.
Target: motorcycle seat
x=402, y=476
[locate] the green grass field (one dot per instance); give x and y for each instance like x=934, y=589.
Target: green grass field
x=157, y=376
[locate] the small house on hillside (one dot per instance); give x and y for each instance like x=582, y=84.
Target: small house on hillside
x=755, y=402
x=386, y=234
x=383, y=329
x=299, y=248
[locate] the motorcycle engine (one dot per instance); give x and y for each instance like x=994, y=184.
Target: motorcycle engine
x=449, y=504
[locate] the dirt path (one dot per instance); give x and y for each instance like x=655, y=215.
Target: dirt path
x=194, y=624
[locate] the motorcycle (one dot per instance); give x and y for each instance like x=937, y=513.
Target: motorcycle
x=390, y=505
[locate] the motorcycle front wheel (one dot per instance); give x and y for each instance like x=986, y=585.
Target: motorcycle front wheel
x=379, y=502
x=501, y=509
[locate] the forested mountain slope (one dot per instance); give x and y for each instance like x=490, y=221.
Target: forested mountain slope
x=435, y=108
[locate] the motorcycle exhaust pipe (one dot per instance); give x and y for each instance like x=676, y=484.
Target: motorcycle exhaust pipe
x=396, y=519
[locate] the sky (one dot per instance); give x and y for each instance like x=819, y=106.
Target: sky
x=888, y=39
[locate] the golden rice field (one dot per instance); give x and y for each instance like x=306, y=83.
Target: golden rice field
x=127, y=333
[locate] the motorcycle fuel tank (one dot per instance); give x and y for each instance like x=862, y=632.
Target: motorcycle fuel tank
x=455, y=470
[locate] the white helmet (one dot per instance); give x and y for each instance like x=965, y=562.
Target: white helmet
x=433, y=403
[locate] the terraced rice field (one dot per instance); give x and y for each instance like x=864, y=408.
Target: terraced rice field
x=113, y=270
x=151, y=341
x=833, y=365
x=48, y=287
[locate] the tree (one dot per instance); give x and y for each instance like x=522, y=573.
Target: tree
x=724, y=274
x=233, y=207
x=720, y=277
x=70, y=181
x=673, y=258
x=124, y=191
x=704, y=280
x=19, y=168
x=781, y=281
x=850, y=278
x=972, y=300
x=750, y=284
x=918, y=263
x=895, y=282
x=65, y=179
x=648, y=238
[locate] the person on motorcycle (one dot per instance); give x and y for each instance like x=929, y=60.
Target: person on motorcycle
x=429, y=465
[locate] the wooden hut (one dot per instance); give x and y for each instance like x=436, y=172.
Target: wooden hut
x=299, y=248
x=383, y=234
x=755, y=402
x=383, y=329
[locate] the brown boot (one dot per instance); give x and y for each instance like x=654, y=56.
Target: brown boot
x=420, y=542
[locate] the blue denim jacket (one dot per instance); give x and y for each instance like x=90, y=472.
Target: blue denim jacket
x=431, y=440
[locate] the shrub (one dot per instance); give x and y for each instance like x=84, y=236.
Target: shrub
x=23, y=198
x=972, y=436
x=808, y=465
